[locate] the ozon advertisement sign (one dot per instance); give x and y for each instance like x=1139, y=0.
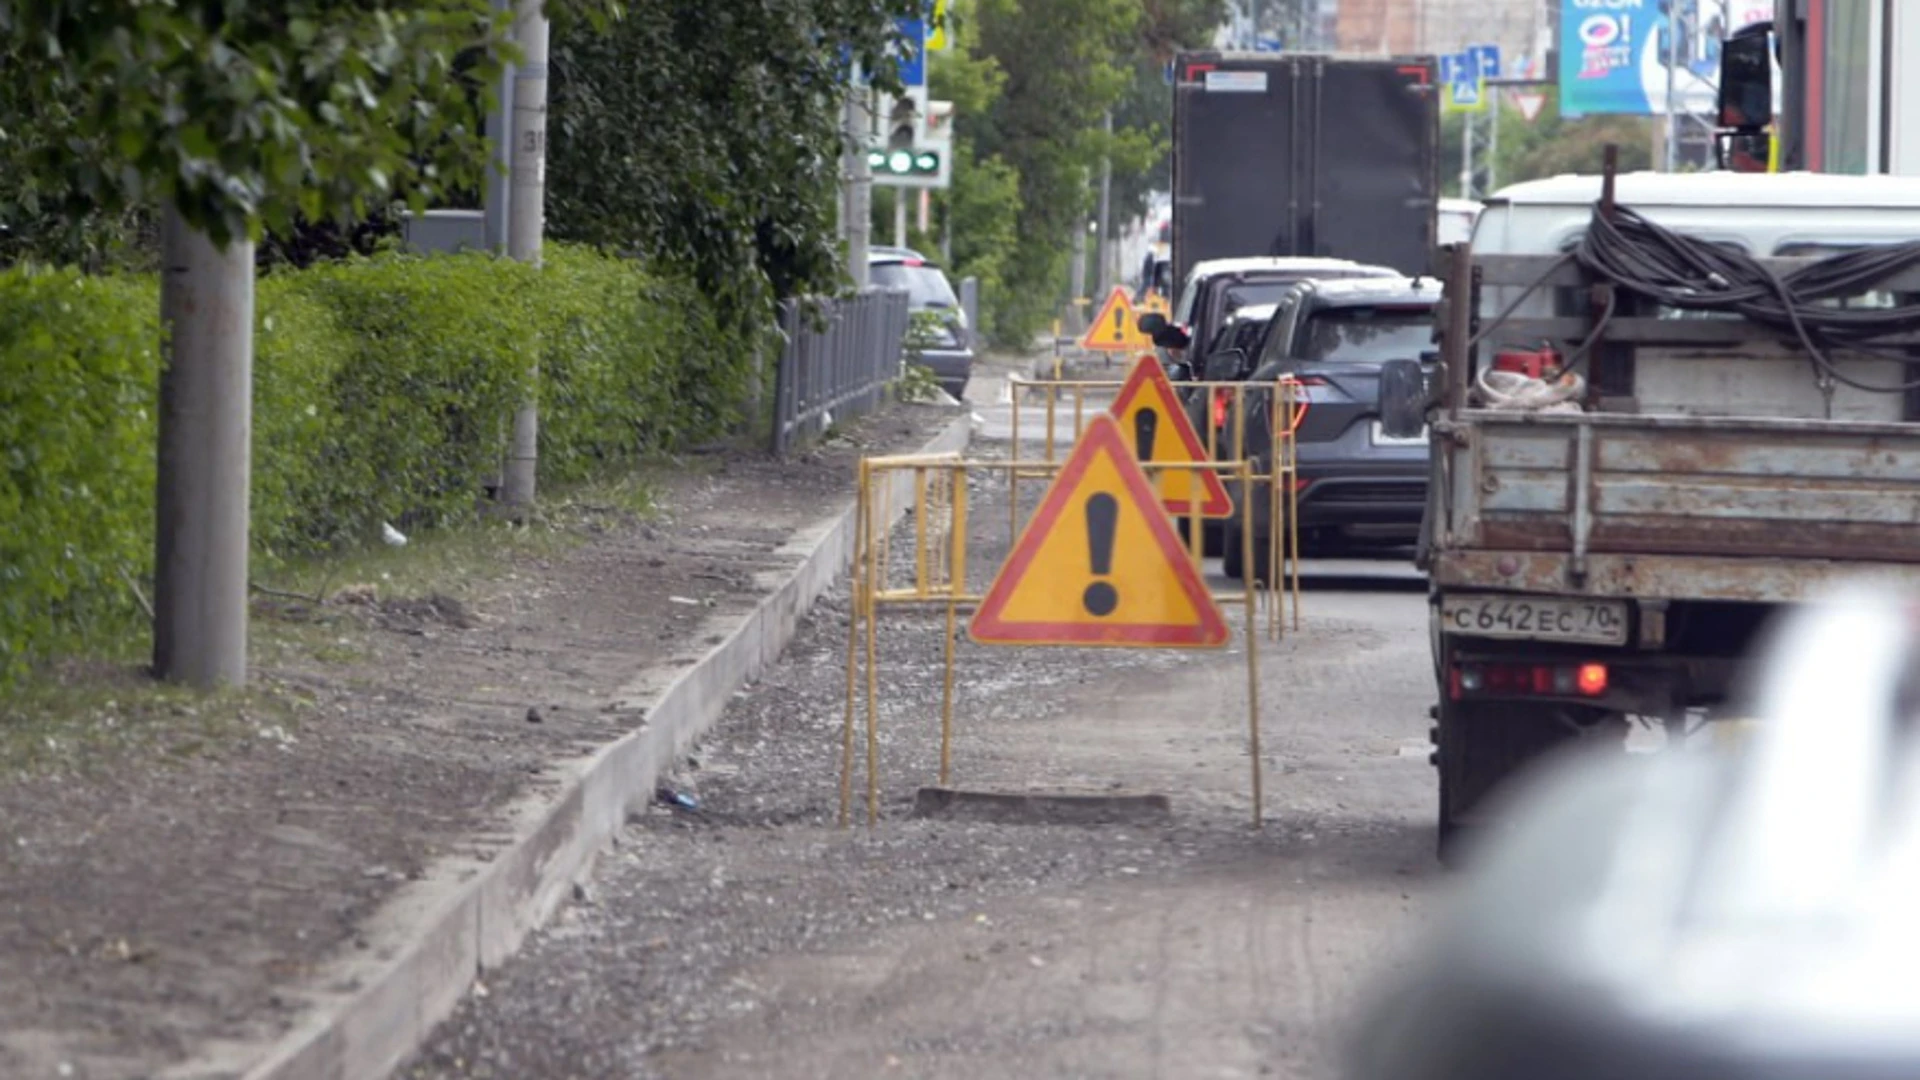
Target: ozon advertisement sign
x=1614, y=53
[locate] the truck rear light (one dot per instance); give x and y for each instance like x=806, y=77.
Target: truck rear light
x=1219, y=408
x=1528, y=680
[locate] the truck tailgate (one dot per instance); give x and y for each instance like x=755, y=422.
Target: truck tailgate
x=1595, y=485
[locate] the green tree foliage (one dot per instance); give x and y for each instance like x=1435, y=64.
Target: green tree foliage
x=1030, y=81
x=1550, y=144
x=244, y=115
x=709, y=135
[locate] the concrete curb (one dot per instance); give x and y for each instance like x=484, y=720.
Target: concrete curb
x=432, y=942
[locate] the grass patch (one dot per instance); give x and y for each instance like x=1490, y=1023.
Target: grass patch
x=84, y=714
x=90, y=716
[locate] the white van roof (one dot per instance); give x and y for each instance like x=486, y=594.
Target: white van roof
x=1721, y=189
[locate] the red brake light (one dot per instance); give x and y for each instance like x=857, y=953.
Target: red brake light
x=1219, y=408
x=1559, y=680
x=913, y=262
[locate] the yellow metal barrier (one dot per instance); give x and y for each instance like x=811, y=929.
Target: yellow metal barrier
x=935, y=573
x=1281, y=556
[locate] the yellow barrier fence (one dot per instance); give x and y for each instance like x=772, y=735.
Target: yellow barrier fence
x=935, y=574
x=1278, y=571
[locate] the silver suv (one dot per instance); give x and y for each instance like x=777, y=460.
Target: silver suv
x=950, y=351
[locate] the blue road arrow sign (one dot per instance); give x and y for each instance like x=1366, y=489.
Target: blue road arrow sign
x=913, y=58
x=1485, y=60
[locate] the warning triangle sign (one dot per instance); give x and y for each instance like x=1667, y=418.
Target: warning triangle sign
x=1099, y=563
x=1155, y=422
x=1114, y=329
x=1529, y=105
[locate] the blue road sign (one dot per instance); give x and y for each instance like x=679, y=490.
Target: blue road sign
x=913, y=60
x=1461, y=74
x=1485, y=59
x=1267, y=44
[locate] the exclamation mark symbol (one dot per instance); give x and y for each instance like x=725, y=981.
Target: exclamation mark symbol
x=1145, y=423
x=1103, y=514
x=1119, y=326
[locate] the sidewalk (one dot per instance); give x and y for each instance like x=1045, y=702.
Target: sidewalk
x=184, y=883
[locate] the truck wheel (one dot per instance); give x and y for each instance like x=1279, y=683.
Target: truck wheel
x=1479, y=745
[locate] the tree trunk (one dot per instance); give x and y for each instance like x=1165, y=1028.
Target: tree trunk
x=206, y=436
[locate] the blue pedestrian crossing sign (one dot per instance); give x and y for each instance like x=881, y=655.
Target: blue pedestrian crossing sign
x=1464, y=75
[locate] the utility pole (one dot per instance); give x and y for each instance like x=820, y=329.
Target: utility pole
x=1494, y=97
x=1466, y=156
x=500, y=157
x=1673, y=63
x=1077, y=275
x=899, y=217
x=1100, y=238
x=527, y=218
x=205, y=446
x=859, y=180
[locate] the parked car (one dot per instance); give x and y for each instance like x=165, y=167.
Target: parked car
x=1242, y=334
x=1355, y=482
x=1215, y=289
x=1213, y=292
x=950, y=352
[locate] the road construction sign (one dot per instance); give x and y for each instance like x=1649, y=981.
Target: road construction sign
x=1152, y=418
x=1099, y=563
x=1115, y=329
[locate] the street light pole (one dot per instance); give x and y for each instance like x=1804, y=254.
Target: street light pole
x=1673, y=63
x=526, y=222
x=205, y=440
x=1100, y=241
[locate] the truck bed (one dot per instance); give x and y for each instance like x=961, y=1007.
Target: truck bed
x=1757, y=509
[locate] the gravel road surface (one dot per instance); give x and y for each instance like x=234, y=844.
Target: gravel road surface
x=751, y=937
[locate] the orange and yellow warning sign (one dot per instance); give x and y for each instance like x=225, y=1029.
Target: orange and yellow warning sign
x=1156, y=424
x=1099, y=563
x=1115, y=329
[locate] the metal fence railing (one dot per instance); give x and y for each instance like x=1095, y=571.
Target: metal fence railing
x=970, y=301
x=841, y=368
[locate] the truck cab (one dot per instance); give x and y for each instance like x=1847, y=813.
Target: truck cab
x=1607, y=549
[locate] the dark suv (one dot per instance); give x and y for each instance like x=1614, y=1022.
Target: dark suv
x=1215, y=290
x=1336, y=337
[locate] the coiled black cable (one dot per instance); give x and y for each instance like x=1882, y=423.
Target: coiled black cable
x=1678, y=271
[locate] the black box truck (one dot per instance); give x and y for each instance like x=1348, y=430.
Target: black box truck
x=1305, y=154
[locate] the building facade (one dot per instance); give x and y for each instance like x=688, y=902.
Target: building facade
x=1520, y=27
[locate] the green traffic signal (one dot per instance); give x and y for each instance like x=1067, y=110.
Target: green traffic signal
x=904, y=162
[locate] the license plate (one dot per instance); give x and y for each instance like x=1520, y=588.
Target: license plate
x=1381, y=438
x=1593, y=622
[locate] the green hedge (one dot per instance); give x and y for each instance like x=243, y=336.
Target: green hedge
x=78, y=360
x=383, y=390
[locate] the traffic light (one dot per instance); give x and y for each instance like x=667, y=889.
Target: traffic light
x=905, y=162
x=913, y=147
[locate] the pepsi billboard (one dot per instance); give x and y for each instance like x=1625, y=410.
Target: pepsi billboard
x=1614, y=53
